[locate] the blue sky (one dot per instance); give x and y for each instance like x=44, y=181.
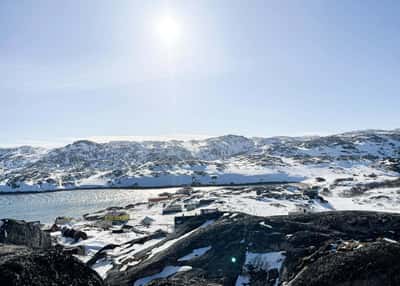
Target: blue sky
x=84, y=69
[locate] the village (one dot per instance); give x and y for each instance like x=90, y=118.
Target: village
x=120, y=237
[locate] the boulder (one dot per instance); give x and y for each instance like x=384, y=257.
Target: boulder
x=75, y=234
x=23, y=233
x=20, y=266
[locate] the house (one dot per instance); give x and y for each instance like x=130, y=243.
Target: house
x=179, y=196
x=117, y=217
x=191, y=206
x=208, y=211
x=147, y=221
x=63, y=220
x=205, y=202
x=204, y=216
x=185, y=191
x=172, y=209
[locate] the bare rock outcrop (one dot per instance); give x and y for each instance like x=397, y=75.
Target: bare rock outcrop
x=21, y=265
x=332, y=248
x=20, y=232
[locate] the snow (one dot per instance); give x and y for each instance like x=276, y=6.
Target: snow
x=122, y=253
x=195, y=253
x=390, y=240
x=207, y=223
x=265, y=261
x=368, y=201
x=260, y=261
x=102, y=267
x=265, y=225
x=166, y=272
x=220, y=160
x=171, y=242
x=97, y=239
x=242, y=280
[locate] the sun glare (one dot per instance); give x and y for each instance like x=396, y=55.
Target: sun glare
x=169, y=30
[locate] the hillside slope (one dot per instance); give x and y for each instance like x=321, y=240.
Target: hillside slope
x=220, y=160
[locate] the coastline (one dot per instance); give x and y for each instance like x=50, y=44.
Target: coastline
x=146, y=187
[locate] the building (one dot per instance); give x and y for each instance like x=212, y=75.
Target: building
x=204, y=216
x=60, y=220
x=191, y=206
x=205, y=202
x=185, y=191
x=208, y=211
x=172, y=209
x=117, y=217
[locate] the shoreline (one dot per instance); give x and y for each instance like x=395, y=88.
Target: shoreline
x=146, y=187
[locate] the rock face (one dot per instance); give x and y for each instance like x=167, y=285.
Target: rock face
x=332, y=248
x=20, y=266
x=23, y=233
x=374, y=264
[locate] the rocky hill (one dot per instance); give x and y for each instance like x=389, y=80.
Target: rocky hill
x=20, y=266
x=331, y=248
x=220, y=160
x=28, y=258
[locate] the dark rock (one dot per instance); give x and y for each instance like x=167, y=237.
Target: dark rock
x=331, y=248
x=374, y=264
x=21, y=266
x=23, y=233
x=75, y=234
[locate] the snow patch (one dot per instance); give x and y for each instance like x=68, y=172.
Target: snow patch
x=265, y=261
x=102, y=267
x=265, y=225
x=242, y=280
x=390, y=240
x=166, y=272
x=195, y=253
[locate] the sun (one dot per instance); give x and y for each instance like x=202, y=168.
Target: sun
x=169, y=30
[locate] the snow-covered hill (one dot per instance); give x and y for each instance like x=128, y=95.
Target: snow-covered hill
x=220, y=160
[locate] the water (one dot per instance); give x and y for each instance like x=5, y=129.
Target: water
x=45, y=207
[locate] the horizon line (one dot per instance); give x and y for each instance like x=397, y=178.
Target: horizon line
x=64, y=141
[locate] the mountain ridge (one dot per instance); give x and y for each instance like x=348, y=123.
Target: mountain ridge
x=217, y=160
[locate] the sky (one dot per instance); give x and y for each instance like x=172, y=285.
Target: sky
x=180, y=69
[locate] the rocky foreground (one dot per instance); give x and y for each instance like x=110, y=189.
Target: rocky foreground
x=21, y=265
x=332, y=248
x=27, y=258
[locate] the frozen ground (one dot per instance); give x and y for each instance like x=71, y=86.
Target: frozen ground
x=260, y=200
